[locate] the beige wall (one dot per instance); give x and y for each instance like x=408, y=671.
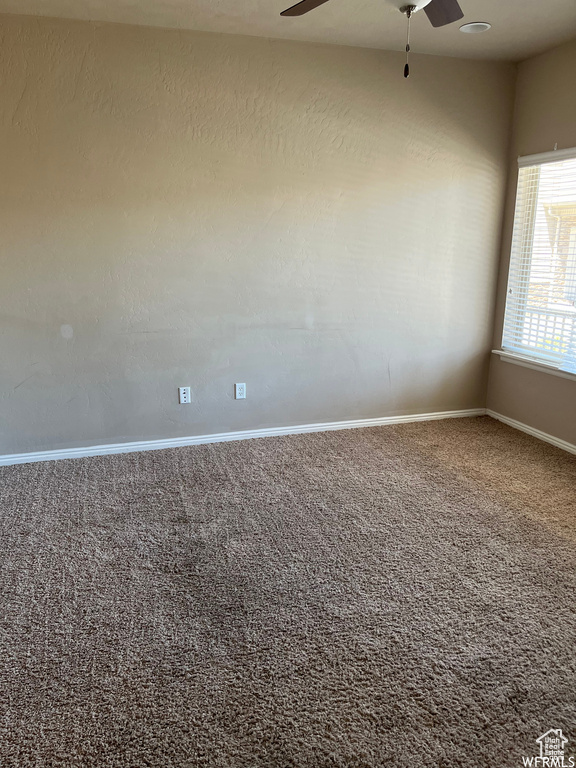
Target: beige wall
x=545, y=115
x=182, y=208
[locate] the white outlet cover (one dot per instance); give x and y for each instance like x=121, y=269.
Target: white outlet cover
x=184, y=397
x=240, y=391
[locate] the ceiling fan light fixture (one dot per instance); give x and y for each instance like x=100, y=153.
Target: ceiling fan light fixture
x=475, y=27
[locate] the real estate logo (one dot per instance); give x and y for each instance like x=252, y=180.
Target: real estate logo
x=552, y=751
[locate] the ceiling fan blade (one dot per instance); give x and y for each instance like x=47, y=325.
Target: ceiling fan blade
x=442, y=12
x=301, y=8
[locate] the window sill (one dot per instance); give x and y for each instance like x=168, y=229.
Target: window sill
x=527, y=362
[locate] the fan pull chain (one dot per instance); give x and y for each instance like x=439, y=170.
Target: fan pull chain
x=407, y=65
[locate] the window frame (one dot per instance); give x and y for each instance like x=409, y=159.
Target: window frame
x=528, y=357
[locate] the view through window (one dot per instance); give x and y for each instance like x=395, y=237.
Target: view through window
x=540, y=320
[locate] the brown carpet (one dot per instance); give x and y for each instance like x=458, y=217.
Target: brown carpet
x=399, y=596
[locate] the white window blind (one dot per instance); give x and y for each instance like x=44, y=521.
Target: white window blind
x=540, y=320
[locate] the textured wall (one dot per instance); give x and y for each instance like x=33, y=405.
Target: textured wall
x=187, y=208
x=545, y=116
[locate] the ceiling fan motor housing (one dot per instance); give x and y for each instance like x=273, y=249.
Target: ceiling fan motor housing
x=411, y=8
x=419, y=4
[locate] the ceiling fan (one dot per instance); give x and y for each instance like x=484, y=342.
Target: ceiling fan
x=439, y=12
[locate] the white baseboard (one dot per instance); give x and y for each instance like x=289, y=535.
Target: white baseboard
x=563, y=444
x=179, y=442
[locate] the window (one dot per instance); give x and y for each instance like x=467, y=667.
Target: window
x=540, y=320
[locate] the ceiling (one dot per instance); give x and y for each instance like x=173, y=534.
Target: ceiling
x=520, y=28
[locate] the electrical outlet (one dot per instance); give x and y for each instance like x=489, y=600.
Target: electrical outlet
x=184, y=395
x=240, y=391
